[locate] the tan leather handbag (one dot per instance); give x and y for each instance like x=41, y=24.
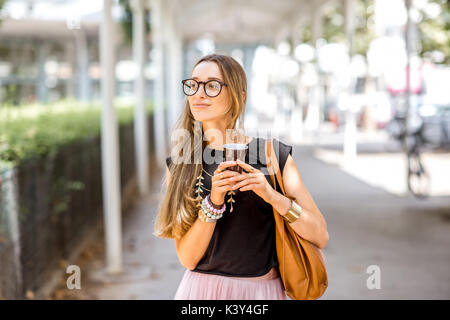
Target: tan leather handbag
x=301, y=263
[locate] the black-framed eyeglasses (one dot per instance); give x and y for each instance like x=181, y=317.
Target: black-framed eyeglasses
x=212, y=87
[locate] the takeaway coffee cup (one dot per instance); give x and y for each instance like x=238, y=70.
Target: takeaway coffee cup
x=233, y=152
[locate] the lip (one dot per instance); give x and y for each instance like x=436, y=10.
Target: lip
x=201, y=105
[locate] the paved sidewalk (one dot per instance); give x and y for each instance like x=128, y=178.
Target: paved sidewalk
x=151, y=264
x=407, y=239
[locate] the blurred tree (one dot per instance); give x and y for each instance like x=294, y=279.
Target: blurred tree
x=434, y=31
x=2, y=3
x=364, y=26
x=127, y=20
x=433, y=26
x=333, y=25
x=306, y=36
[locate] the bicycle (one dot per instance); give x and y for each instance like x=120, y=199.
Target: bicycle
x=418, y=179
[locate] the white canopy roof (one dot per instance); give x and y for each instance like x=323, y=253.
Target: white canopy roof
x=225, y=21
x=241, y=21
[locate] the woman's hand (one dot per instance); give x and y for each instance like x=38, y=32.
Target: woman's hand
x=254, y=180
x=221, y=183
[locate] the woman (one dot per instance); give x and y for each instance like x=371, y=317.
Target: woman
x=225, y=236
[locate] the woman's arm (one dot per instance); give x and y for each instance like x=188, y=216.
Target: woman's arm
x=192, y=246
x=311, y=225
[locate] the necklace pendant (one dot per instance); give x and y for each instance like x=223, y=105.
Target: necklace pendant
x=199, y=190
x=231, y=200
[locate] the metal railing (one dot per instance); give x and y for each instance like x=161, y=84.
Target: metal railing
x=48, y=205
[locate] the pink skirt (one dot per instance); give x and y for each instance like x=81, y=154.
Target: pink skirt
x=201, y=286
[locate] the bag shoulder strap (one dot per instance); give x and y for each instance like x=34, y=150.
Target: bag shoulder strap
x=272, y=162
x=272, y=165
x=269, y=162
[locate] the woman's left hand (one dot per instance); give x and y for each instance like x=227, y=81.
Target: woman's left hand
x=253, y=180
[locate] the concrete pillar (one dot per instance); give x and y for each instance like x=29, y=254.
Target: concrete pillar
x=41, y=83
x=249, y=55
x=84, y=81
x=11, y=208
x=110, y=148
x=350, y=130
x=158, y=94
x=313, y=117
x=140, y=115
x=296, y=119
x=407, y=36
x=70, y=82
x=175, y=48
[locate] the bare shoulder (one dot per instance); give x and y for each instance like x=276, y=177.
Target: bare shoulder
x=294, y=186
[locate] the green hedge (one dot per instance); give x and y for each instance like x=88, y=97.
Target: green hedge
x=37, y=129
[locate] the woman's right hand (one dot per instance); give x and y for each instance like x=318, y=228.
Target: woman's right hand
x=221, y=183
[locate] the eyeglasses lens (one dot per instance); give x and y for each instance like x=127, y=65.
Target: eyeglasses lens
x=212, y=88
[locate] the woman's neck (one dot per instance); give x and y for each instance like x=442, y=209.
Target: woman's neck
x=215, y=133
x=218, y=145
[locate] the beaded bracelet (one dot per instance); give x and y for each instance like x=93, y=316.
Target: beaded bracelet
x=210, y=215
x=208, y=211
x=203, y=217
x=208, y=204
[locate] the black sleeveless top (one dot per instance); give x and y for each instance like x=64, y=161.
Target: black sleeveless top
x=243, y=242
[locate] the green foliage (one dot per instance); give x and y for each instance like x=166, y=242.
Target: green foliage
x=364, y=26
x=307, y=35
x=2, y=3
x=10, y=93
x=127, y=21
x=334, y=25
x=37, y=129
x=61, y=195
x=434, y=32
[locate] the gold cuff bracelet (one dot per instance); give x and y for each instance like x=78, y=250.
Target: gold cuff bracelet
x=293, y=213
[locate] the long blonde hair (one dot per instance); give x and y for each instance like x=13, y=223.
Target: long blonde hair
x=178, y=209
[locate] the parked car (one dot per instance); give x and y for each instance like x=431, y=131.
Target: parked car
x=436, y=119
